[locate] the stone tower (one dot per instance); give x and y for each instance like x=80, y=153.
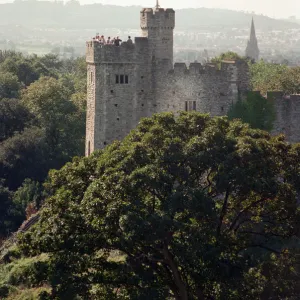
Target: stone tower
x=158, y=25
x=134, y=80
x=252, y=50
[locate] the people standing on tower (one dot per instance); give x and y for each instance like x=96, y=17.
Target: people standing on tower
x=129, y=41
x=108, y=41
x=117, y=41
x=102, y=40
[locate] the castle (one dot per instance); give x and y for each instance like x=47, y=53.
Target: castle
x=135, y=80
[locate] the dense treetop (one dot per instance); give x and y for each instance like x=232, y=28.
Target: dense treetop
x=42, y=122
x=186, y=207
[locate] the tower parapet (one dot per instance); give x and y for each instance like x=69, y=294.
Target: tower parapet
x=126, y=52
x=158, y=25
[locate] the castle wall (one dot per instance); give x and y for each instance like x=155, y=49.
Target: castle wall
x=91, y=109
x=212, y=90
x=150, y=83
x=113, y=109
x=287, y=110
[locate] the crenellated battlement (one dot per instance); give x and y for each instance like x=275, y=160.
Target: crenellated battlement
x=127, y=52
x=158, y=18
x=182, y=69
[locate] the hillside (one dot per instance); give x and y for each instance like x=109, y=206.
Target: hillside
x=50, y=14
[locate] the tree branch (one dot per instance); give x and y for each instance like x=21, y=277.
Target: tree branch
x=245, y=210
x=176, y=274
x=224, y=210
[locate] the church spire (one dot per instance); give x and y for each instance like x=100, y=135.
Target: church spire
x=252, y=33
x=252, y=50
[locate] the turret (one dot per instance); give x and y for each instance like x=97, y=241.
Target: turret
x=158, y=25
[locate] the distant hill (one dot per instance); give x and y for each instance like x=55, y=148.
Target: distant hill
x=57, y=15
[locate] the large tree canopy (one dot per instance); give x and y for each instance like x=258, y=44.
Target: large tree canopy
x=186, y=207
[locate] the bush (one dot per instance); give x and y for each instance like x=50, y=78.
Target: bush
x=26, y=271
x=4, y=291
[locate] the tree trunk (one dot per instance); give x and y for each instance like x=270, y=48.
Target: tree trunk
x=183, y=294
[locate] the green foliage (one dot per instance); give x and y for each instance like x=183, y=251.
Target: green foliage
x=273, y=77
x=14, y=117
x=255, y=110
x=42, y=130
x=24, y=156
x=50, y=102
x=26, y=271
x=40, y=293
x=198, y=208
x=31, y=192
x=27, y=69
x=9, y=85
x=266, y=76
x=5, y=207
x=225, y=56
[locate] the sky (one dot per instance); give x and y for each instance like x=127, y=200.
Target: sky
x=272, y=8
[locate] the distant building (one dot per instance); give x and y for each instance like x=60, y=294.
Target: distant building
x=131, y=81
x=135, y=80
x=252, y=50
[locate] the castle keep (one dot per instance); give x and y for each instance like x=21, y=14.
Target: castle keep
x=136, y=80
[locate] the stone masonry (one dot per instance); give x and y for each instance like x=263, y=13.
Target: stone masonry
x=136, y=80
x=287, y=110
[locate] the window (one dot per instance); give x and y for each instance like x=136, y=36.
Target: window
x=91, y=77
x=190, y=105
x=89, y=148
x=122, y=79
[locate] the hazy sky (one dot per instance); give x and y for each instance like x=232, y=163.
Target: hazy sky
x=272, y=8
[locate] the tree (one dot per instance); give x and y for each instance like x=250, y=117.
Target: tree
x=22, y=68
x=291, y=81
x=49, y=101
x=9, y=85
x=25, y=155
x=267, y=76
x=14, y=117
x=30, y=193
x=5, y=205
x=255, y=110
x=226, y=56
x=186, y=207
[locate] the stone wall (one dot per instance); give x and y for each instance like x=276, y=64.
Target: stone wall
x=213, y=90
x=158, y=25
x=287, y=110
